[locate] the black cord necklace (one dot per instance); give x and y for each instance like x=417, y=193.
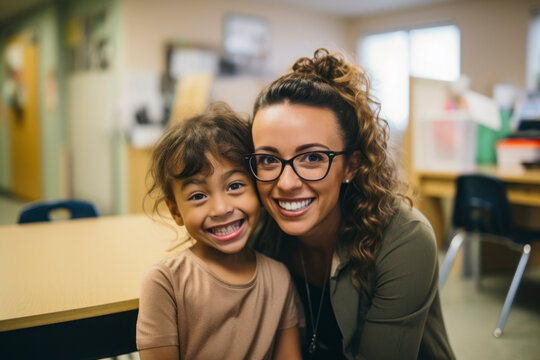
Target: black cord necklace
x=314, y=324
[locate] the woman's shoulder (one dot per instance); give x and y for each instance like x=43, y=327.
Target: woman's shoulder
x=408, y=228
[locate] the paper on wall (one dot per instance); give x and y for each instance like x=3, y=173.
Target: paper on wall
x=483, y=110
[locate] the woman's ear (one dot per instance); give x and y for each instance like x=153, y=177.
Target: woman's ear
x=173, y=209
x=353, y=163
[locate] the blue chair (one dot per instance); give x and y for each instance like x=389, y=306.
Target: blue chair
x=481, y=207
x=41, y=210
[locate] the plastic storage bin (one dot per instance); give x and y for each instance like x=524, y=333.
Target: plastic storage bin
x=448, y=142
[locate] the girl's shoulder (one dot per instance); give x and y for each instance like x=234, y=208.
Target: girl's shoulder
x=275, y=267
x=173, y=266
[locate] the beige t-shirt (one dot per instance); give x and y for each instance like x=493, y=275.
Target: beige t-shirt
x=184, y=304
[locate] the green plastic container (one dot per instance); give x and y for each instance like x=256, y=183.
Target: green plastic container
x=487, y=138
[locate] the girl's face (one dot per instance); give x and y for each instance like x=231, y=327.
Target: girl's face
x=306, y=209
x=219, y=210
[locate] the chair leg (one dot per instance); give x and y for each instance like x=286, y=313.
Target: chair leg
x=453, y=249
x=513, y=289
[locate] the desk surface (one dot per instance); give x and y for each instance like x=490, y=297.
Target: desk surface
x=62, y=271
x=522, y=186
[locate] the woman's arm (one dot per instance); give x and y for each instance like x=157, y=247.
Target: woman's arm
x=160, y=353
x=406, y=285
x=288, y=344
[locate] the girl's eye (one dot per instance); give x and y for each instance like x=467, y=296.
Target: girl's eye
x=197, y=197
x=236, y=186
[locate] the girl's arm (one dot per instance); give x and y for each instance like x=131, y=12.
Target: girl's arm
x=287, y=344
x=160, y=353
x=157, y=328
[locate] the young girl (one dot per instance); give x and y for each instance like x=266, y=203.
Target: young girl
x=217, y=299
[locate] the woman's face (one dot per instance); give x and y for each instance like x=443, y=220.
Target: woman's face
x=306, y=209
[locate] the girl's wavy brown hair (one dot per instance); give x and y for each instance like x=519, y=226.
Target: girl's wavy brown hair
x=183, y=149
x=329, y=81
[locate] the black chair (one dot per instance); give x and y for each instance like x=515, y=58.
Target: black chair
x=481, y=207
x=41, y=210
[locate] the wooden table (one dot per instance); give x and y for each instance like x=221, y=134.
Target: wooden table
x=522, y=187
x=64, y=273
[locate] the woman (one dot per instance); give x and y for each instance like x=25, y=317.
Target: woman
x=364, y=261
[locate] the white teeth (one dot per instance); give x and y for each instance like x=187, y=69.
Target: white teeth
x=226, y=230
x=294, y=205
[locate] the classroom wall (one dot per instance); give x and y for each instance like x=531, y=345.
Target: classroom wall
x=294, y=32
x=493, y=35
x=91, y=109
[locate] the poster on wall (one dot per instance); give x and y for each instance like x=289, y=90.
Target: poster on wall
x=88, y=42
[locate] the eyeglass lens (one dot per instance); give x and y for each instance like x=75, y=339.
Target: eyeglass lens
x=309, y=166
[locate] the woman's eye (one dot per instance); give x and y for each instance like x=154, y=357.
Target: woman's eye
x=313, y=157
x=236, y=186
x=267, y=160
x=197, y=197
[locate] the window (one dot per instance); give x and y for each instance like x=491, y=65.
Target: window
x=390, y=58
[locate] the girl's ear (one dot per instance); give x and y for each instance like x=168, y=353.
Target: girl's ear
x=173, y=209
x=353, y=163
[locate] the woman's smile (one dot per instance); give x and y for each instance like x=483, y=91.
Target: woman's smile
x=294, y=207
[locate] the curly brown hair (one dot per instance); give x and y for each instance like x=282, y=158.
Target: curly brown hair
x=329, y=81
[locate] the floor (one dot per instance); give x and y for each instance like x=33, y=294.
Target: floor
x=470, y=313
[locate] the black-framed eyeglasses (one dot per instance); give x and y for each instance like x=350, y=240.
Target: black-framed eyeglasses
x=309, y=166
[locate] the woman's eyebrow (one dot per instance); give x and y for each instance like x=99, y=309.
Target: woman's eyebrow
x=266, y=148
x=298, y=149
x=309, y=146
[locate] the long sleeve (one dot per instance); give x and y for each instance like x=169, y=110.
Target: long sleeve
x=405, y=287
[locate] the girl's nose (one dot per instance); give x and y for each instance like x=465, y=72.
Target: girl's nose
x=220, y=205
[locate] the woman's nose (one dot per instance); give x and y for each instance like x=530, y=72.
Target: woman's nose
x=288, y=180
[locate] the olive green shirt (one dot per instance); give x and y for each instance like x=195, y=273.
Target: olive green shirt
x=399, y=315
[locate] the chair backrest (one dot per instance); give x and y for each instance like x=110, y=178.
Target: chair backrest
x=481, y=205
x=41, y=210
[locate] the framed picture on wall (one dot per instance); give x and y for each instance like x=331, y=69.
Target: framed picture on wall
x=246, y=42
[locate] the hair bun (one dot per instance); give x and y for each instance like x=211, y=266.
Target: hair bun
x=323, y=65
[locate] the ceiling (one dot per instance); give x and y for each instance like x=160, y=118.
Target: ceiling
x=350, y=8
x=13, y=8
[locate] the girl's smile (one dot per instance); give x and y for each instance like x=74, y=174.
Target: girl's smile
x=228, y=231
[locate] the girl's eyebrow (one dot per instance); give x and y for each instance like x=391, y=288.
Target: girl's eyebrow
x=192, y=181
x=232, y=172
x=298, y=149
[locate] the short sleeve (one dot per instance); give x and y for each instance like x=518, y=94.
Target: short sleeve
x=406, y=284
x=157, y=319
x=289, y=317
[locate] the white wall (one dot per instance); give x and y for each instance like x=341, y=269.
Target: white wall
x=493, y=35
x=149, y=25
